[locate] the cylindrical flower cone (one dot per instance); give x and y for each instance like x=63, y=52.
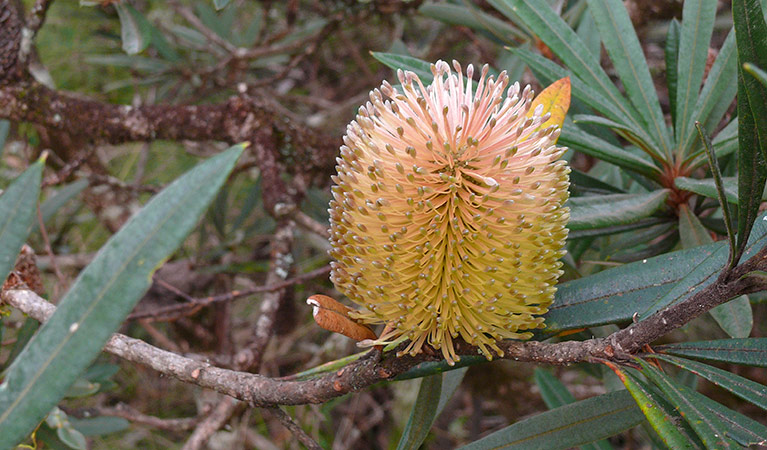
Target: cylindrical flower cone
x=447, y=217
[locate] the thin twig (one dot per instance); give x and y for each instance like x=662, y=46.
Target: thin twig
x=293, y=427
x=310, y=224
x=194, y=304
x=251, y=356
x=51, y=255
x=212, y=423
x=128, y=413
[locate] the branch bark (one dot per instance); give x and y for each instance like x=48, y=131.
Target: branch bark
x=239, y=119
x=374, y=367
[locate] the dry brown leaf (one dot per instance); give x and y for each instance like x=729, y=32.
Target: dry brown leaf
x=334, y=316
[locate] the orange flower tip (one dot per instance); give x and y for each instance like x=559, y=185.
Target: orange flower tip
x=447, y=217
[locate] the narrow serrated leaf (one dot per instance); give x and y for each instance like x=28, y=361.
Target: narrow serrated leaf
x=716, y=96
x=744, y=388
x=751, y=41
x=705, y=272
x=565, y=43
x=579, y=140
x=749, y=352
x=661, y=420
x=695, y=35
x=548, y=71
x=744, y=430
x=404, y=62
x=672, y=56
x=614, y=209
x=627, y=56
x=474, y=18
x=102, y=295
x=614, y=295
x=708, y=427
x=707, y=187
x=568, y=426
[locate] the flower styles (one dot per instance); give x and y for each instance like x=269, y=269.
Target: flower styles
x=447, y=215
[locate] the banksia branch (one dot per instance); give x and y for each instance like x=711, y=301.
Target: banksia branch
x=447, y=217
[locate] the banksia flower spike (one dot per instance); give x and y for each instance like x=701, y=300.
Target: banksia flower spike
x=447, y=216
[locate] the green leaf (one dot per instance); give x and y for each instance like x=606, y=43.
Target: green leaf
x=18, y=210
x=617, y=229
x=133, y=28
x=220, y=4
x=5, y=127
x=600, y=121
x=423, y=414
x=705, y=272
x=614, y=209
x=23, y=336
x=713, y=164
x=749, y=351
x=716, y=96
x=751, y=40
x=587, y=31
x=56, y=201
x=707, y=187
x=621, y=42
x=579, y=140
x=614, y=295
x=427, y=368
x=473, y=18
x=744, y=388
x=555, y=394
x=72, y=438
x=404, y=62
x=102, y=295
x=694, y=38
x=99, y=426
x=708, y=427
x=81, y=388
x=568, y=426
x=548, y=71
x=451, y=381
x=661, y=419
x=691, y=231
x=735, y=317
x=744, y=430
x=672, y=56
x=565, y=43
x=752, y=170
x=582, y=183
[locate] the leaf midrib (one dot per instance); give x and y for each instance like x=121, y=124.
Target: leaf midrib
x=89, y=310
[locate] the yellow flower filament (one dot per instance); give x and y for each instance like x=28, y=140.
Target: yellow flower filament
x=447, y=216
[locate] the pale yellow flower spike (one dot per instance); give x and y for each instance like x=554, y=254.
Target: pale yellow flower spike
x=447, y=216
